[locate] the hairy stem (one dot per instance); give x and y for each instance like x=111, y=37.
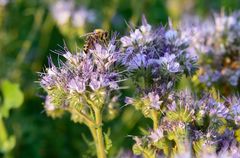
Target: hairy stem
x=100, y=142
x=93, y=132
x=88, y=121
x=155, y=120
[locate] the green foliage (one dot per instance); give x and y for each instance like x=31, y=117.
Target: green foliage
x=107, y=140
x=12, y=97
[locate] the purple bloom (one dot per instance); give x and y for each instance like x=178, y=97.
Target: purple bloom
x=95, y=83
x=156, y=135
x=126, y=41
x=82, y=73
x=138, y=61
x=49, y=106
x=77, y=84
x=129, y=100
x=173, y=67
x=218, y=109
x=154, y=100
x=160, y=50
x=217, y=39
x=234, y=80
x=234, y=102
x=171, y=35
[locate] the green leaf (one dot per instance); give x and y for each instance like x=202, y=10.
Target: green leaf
x=12, y=97
x=108, y=141
x=8, y=145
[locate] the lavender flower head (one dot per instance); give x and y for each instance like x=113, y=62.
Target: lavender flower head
x=156, y=59
x=83, y=78
x=160, y=51
x=216, y=41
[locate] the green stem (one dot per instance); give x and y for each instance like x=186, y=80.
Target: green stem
x=88, y=121
x=100, y=142
x=93, y=132
x=3, y=134
x=155, y=120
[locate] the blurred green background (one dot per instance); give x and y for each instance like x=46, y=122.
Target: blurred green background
x=30, y=29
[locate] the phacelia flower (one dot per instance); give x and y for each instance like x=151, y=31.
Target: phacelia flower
x=216, y=42
x=161, y=53
x=156, y=135
x=82, y=77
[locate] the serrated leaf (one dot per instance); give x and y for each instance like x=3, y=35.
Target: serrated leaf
x=107, y=140
x=12, y=97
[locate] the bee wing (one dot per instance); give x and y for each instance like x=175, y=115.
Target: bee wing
x=87, y=34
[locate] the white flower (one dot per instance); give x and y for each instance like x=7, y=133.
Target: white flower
x=3, y=2
x=61, y=11
x=48, y=104
x=79, y=17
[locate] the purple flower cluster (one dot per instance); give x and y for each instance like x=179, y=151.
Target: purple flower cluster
x=81, y=76
x=156, y=59
x=162, y=51
x=204, y=122
x=216, y=41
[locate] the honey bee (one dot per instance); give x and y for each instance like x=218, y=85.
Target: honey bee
x=97, y=36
